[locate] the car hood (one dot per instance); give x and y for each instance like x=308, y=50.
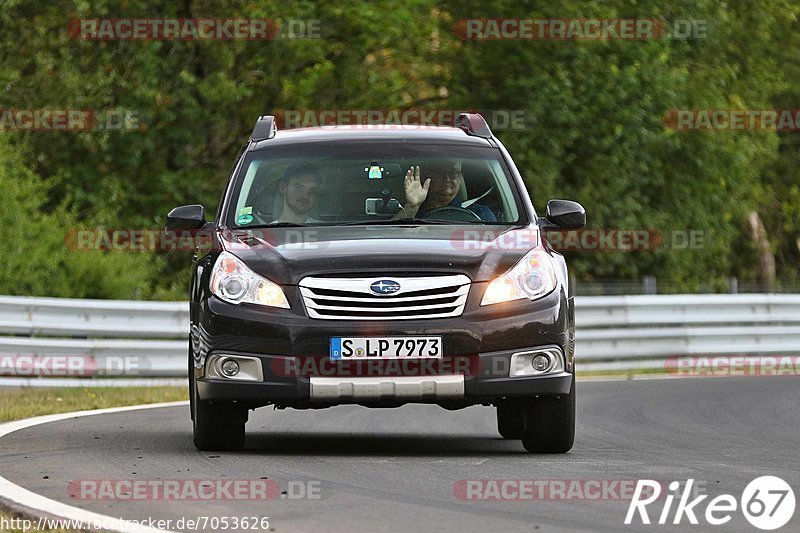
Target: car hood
x=286, y=255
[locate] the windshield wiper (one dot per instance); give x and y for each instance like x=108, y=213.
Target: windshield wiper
x=276, y=225
x=396, y=222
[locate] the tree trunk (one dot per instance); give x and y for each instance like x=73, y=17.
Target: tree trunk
x=766, y=259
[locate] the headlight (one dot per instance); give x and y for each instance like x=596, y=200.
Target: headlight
x=234, y=283
x=532, y=277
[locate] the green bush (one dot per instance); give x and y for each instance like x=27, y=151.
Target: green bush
x=37, y=260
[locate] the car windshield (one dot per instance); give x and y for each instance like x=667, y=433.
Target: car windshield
x=378, y=182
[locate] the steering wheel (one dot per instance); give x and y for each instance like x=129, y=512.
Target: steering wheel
x=453, y=213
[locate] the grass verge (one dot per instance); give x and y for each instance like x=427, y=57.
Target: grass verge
x=29, y=401
x=615, y=373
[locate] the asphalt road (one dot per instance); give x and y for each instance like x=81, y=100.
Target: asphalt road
x=395, y=469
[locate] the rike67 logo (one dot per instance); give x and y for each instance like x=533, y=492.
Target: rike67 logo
x=767, y=502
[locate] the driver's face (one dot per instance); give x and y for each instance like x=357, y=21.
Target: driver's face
x=301, y=193
x=445, y=182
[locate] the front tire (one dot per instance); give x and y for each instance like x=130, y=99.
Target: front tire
x=217, y=426
x=550, y=426
x=510, y=421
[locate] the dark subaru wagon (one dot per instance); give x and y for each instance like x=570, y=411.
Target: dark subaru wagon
x=380, y=265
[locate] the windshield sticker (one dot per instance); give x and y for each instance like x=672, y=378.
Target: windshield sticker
x=244, y=219
x=375, y=171
x=246, y=211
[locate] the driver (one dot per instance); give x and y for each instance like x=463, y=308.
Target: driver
x=442, y=185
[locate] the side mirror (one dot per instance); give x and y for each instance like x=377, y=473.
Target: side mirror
x=186, y=217
x=565, y=214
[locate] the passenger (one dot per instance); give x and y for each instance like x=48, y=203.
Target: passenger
x=300, y=186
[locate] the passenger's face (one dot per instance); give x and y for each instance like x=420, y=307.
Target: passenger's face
x=300, y=193
x=445, y=181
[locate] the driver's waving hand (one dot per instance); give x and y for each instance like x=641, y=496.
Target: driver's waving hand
x=440, y=189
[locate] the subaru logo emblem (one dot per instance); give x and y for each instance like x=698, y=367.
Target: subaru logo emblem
x=385, y=286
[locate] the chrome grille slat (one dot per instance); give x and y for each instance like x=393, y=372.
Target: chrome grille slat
x=309, y=293
x=331, y=293
x=326, y=302
x=450, y=312
x=459, y=302
x=436, y=297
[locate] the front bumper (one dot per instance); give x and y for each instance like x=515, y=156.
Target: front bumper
x=290, y=381
x=297, y=371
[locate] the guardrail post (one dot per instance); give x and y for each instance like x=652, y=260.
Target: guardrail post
x=649, y=285
x=733, y=285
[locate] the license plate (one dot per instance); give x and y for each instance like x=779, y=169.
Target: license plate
x=347, y=348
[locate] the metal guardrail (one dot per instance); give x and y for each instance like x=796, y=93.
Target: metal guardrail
x=93, y=318
x=610, y=330
x=634, y=327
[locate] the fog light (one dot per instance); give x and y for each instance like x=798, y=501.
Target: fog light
x=537, y=362
x=230, y=368
x=234, y=367
x=540, y=363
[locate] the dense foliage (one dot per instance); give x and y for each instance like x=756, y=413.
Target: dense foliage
x=595, y=124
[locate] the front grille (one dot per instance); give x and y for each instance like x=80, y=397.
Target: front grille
x=352, y=299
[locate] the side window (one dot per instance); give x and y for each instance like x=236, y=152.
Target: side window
x=245, y=196
x=502, y=195
x=487, y=184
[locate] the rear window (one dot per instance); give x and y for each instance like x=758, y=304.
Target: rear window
x=333, y=184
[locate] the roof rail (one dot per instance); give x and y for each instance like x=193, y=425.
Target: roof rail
x=474, y=124
x=265, y=128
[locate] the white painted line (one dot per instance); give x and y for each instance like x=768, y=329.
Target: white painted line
x=627, y=377
x=637, y=364
x=650, y=377
x=584, y=379
x=14, y=493
x=91, y=382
